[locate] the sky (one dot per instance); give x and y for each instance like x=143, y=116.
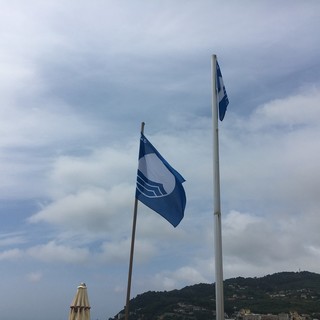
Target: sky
x=78, y=78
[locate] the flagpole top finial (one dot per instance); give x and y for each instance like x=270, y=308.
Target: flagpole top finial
x=142, y=127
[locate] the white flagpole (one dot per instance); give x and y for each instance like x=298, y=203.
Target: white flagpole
x=133, y=235
x=216, y=194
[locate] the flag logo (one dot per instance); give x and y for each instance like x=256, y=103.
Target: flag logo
x=159, y=186
x=223, y=99
x=153, y=184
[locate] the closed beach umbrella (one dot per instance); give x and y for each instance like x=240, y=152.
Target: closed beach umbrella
x=80, y=307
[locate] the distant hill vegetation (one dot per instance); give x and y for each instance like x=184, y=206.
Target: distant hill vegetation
x=280, y=292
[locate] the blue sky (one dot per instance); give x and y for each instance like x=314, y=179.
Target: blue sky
x=77, y=79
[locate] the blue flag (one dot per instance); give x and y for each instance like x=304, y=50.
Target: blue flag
x=159, y=186
x=222, y=94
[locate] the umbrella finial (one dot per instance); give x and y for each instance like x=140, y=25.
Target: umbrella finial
x=80, y=307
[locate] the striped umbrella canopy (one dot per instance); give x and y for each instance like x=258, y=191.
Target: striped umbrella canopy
x=80, y=307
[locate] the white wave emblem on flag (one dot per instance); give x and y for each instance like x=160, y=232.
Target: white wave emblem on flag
x=221, y=89
x=154, y=178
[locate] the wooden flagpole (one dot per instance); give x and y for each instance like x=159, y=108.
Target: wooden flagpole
x=133, y=235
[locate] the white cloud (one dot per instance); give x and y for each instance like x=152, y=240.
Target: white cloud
x=296, y=110
x=259, y=245
x=9, y=239
x=118, y=251
x=94, y=210
x=170, y=280
x=53, y=252
x=105, y=167
x=189, y=274
x=11, y=254
x=34, y=276
x=273, y=157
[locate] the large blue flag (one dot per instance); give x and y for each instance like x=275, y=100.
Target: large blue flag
x=159, y=186
x=222, y=94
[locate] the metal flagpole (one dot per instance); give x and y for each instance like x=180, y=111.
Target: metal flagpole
x=216, y=194
x=133, y=235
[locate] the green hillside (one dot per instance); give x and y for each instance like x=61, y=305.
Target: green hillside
x=281, y=292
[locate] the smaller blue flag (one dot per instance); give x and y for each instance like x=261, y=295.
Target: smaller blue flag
x=159, y=186
x=222, y=94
